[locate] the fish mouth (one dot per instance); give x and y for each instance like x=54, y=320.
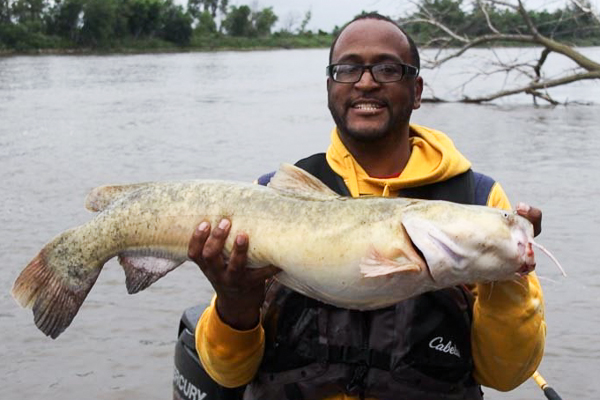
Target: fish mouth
x=525, y=269
x=525, y=253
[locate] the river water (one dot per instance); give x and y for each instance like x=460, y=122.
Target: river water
x=70, y=123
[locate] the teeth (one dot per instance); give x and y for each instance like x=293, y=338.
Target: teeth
x=367, y=106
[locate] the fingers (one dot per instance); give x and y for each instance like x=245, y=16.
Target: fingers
x=239, y=255
x=206, y=246
x=214, y=245
x=197, y=241
x=534, y=215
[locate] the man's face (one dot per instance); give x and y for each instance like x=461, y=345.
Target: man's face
x=368, y=110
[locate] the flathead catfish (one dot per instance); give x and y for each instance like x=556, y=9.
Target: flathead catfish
x=361, y=253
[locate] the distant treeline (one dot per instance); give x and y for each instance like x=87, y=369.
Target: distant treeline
x=144, y=25
x=27, y=25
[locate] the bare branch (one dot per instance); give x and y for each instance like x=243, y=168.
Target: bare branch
x=587, y=8
x=434, y=22
x=534, y=86
x=544, y=96
x=504, y=3
x=482, y=40
x=540, y=63
x=487, y=17
x=538, y=85
x=527, y=19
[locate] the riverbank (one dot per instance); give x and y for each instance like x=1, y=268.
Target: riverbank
x=197, y=44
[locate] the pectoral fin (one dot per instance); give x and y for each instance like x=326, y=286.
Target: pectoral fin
x=375, y=264
x=142, y=271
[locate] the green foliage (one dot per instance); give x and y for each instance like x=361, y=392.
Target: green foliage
x=22, y=37
x=263, y=21
x=145, y=17
x=101, y=22
x=5, y=11
x=177, y=25
x=206, y=24
x=28, y=10
x=67, y=19
x=242, y=21
x=238, y=22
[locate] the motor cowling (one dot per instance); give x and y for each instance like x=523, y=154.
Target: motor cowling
x=190, y=380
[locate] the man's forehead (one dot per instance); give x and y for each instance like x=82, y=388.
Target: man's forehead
x=372, y=33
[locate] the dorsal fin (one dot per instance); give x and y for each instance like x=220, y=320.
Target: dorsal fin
x=101, y=197
x=296, y=182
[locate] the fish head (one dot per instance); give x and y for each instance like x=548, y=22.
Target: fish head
x=468, y=244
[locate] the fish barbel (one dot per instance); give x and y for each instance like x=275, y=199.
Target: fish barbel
x=363, y=254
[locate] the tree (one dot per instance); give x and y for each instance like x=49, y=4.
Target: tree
x=177, y=24
x=102, y=22
x=504, y=21
x=305, y=22
x=206, y=24
x=145, y=17
x=29, y=10
x=67, y=19
x=263, y=21
x=195, y=7
x=5, y=11
x=238, y=22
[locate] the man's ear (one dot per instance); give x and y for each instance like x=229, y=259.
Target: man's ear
x=418, y=92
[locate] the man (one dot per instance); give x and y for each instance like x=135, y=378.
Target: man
x=440, y=344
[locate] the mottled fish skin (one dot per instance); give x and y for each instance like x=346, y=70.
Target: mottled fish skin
x=352, y=253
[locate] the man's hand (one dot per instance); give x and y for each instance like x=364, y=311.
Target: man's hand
x=240, y=290
x=534, y=215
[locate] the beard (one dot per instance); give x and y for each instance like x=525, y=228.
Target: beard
x=394, y=122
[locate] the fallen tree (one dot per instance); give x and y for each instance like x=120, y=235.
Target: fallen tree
x=453, y=40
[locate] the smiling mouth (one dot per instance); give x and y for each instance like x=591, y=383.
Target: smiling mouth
x=367, y=106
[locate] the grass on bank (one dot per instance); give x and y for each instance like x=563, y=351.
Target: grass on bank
x=36, y=43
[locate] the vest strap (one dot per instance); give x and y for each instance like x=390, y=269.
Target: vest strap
x=357, y=356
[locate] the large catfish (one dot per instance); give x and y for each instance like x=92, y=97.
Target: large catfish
x=361, y=253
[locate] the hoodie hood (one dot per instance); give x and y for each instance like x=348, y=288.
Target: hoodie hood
x=433, y=159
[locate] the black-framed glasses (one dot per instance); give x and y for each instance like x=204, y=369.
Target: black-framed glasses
x=381, y=73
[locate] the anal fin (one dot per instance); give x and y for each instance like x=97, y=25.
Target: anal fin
x=142, y=270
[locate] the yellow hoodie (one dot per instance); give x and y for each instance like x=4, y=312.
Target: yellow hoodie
x=508, y=330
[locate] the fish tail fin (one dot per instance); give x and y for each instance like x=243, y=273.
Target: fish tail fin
x=49, y=287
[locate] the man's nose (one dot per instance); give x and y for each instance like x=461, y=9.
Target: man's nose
x=367, y=81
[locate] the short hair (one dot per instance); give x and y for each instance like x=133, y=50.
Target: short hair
x=414, y=52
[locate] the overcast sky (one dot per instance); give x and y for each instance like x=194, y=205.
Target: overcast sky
x=326, y=14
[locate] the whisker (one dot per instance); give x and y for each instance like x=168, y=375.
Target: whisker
x=545, y=278
x=518, y=281
x=491, y=290
x=545, y=251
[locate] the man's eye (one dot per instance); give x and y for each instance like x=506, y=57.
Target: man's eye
x=346, y=69
x=388, y=69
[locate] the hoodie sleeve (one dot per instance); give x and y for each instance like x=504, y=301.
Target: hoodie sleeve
x=229, y=356
x=509, y=330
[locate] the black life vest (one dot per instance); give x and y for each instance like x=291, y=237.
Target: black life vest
x=418, y=349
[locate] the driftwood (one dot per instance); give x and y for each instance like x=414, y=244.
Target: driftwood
x=538, y=83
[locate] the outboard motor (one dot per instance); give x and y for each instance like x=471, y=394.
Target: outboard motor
x=190, y=381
